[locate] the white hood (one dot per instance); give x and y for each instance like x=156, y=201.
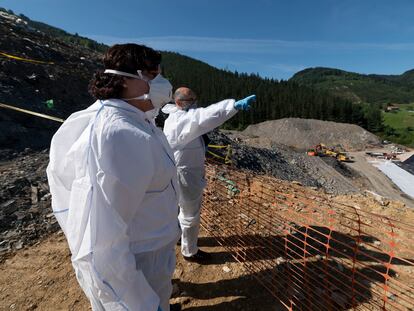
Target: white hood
x=170, y=108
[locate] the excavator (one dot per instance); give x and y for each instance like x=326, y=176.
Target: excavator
x=322, y=151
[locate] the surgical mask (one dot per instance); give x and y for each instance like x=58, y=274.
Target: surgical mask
x=160, y=91
x=152, y=114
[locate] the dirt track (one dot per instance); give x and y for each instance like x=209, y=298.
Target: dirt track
x=376, y=180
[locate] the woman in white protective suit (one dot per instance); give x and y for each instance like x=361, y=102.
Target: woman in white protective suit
x=113, y=182
x=184, y=128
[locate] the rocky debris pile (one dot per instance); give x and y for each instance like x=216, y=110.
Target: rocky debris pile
x=31, y=85
x=305, y=133
x=333, y=176
x=25, y=210
x=285, y=163
x=9, y=154
x=262, y=161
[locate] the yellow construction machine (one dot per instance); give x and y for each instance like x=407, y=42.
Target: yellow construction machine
x=322, y=151
x=343, y=157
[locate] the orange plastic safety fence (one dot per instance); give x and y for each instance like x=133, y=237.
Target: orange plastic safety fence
x=310, y=252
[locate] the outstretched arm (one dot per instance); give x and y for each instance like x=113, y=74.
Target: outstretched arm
x=197, y=122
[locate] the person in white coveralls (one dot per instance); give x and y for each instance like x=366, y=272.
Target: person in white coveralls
x=112, y=178
x=184, y=128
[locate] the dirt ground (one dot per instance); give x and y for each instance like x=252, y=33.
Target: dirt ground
x=42, y=278
x=375, y=180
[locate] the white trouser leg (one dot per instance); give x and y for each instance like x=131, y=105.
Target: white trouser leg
x=191, y=183
x=158, y=267
x=189, y=218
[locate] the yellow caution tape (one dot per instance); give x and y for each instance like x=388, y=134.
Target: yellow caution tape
x=227, y=159
x=41, y=115
x=229, y=155
x=26, y=59
x=216, y=155
x=218, y=146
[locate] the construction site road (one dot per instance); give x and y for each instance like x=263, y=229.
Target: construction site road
x=377, y=181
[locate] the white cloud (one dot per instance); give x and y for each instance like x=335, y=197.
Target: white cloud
x=260, y=46
x=289, y=68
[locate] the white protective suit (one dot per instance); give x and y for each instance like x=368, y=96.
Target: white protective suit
x=184, y=130
x=112, y=178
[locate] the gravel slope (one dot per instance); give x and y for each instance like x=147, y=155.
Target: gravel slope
x=304, y=133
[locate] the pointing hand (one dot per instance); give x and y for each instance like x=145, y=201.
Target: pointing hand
x=244, y=104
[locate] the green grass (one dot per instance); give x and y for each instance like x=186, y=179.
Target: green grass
x=400, y=125
x=400, y=119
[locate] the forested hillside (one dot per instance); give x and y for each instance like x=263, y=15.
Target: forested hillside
x=374, y=89
x=276, y=99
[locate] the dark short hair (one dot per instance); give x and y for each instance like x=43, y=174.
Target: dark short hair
x=129, y=58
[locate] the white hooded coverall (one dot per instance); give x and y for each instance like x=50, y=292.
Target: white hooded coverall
x=112, y=178
x=184, y=129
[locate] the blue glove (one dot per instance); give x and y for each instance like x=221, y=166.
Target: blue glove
x=244, y=104
x=159, y=308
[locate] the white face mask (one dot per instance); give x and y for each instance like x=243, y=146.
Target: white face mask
x=152, y=114
x=160, y=91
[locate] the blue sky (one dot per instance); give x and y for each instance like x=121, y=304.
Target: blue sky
x=273, y=38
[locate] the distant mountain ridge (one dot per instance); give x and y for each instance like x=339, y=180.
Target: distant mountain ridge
x=371, y=88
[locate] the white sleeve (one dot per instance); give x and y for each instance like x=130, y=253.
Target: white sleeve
x=197, y=122
x=125, y=169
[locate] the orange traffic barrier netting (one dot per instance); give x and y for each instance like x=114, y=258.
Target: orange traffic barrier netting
x=310, y=252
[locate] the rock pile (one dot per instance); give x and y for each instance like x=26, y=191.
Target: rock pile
x=25, y=210
x=285, y=163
